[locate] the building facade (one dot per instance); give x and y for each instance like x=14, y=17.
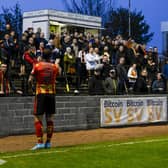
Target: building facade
x=164, y=30
x=58, y=21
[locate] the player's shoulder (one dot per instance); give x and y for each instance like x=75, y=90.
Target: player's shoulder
x=54, y=65
x=38, y=64
x=50, y=65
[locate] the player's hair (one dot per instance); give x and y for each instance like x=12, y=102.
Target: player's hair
x=47, y=53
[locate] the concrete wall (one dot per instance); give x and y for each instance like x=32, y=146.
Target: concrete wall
x=72, y=113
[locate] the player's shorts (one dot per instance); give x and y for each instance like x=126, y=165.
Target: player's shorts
x=44, y=103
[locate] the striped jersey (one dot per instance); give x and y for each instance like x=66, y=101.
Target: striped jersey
x=45, y=74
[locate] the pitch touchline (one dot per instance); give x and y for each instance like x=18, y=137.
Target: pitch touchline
x=85, y=148
x=139, y=142
x=32, y=154
x=2, y=162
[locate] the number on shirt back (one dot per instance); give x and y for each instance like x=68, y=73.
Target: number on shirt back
x=48, y=77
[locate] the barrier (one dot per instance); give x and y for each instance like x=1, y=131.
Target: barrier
x=128, y=111
x=72, y=113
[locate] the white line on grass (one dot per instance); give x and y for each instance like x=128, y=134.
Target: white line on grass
x=84, y=148
x=2, y=162
x=139, y=142
x=32, y=154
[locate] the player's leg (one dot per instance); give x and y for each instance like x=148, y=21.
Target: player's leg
x=50, y=129
x=38, y=116
x=50, y=111
x=39, y=132
x=39, y=128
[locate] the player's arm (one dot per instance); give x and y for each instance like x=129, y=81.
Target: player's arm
x=31, y=77
x=59, y=68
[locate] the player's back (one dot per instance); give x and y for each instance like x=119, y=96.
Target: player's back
x=45, y=74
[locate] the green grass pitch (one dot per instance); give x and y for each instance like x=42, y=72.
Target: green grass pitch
x=139, y=153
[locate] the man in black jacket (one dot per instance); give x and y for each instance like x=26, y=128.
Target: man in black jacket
x=96, y=84
x=141, y=86
x=122, y=77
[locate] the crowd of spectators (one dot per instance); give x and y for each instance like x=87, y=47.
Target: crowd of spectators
x=106, y=65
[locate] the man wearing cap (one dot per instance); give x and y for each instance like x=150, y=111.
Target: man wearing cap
x=96, y=83
x=110, y=83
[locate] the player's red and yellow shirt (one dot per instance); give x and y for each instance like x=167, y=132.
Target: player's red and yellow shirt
x=45, y=74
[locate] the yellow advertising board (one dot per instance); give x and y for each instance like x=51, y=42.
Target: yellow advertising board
x=128, y=111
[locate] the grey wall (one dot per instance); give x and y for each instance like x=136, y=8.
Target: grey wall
x=72, y=113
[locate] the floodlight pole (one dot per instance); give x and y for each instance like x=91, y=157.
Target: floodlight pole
x=129, y=18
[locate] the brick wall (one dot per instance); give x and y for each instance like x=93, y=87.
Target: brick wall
x=16, y=115
x=72, y=113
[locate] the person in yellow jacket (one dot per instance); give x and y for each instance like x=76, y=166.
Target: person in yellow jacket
x=69, y=65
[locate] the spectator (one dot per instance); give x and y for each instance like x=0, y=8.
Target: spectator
x=141, y=84
x=158, y=85
x=110, y=47
x=106, y=52
x=140, y=58
x=96, y=84
x=152, y=70
x=41, y=39
x=57, y=41
x=30, y=32
x=165, y=72
x=106, y=66
x=122, y=77
x=38, y=32
x=155, y=55
x=29, y=59
x=110, y=83
x=56, y=56
x=31, y=42
x=132, y=76
x=66, y=42
x=120, y=53
x=3, y=53
x=22, y=47
x=69, y=64
x=75, y=47
x=69, y=61
x=8, y=44
x=39, y=52
x=131, y=52
x=14, y=49
x=96, y=43
x=82, y=66
x=6, y=82
x=8, y=28
x=96, y=52
x=52, y=35
x=91, y=61
x=81, y=41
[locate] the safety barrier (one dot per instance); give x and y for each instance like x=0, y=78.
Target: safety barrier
x=82, y=112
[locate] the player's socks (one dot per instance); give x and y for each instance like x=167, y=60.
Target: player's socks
x=39, y=131
x=50, y=130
